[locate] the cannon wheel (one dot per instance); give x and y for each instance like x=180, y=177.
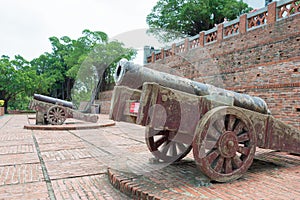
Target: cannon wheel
x=163, y=146
x=56, y=115
x=224, y=144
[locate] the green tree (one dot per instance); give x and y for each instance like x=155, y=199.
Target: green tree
x=96, y=72
x=19, y=79
x=73, y=59
x=170, y=19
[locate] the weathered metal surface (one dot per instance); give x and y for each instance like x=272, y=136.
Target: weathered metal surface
x=52, y=100
x=224, y=143
x=133, y=76
x=223, y=136
x=121, y=102
x=274, y=134
x=48, y=113
x=281, y=136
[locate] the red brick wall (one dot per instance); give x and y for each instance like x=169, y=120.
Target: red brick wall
x=263, y=62
x=104, y=101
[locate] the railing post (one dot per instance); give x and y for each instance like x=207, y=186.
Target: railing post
x=186, y=44
x=153, y=57
x=243, y=24
x=220, y=32
x=201, y=38
x=173, y=49
x=272, y=14
x=162, y=53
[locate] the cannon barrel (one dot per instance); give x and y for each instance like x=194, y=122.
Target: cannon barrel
x=47, y=99
x=133, y=76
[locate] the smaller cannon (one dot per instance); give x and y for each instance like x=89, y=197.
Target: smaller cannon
x=55, y=111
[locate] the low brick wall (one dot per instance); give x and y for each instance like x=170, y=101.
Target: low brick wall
x=104, y=101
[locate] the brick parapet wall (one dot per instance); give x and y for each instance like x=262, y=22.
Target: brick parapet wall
x=263, y=62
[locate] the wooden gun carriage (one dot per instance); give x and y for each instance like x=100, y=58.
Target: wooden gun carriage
x=55, y=111
x=222, y=127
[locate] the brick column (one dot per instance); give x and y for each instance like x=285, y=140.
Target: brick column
x=243, y=24
x=201, y=38
x=153, y=57
x=186, y=44
x=272, y=13
x=173, y=49
x=162, y=55
x=220, y=32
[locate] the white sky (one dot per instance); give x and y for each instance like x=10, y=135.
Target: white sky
x=26, y=25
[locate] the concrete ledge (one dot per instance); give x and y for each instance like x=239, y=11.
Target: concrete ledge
x=70, y=124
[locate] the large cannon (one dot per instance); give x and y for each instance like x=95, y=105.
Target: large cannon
x=222, y=127
x=55, y=111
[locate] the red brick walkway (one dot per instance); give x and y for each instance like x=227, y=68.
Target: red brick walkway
x=73, y=164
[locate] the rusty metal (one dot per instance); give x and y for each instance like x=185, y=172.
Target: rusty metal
x=55, y=111
x=133, y=76
x=52, y=100
x=224, y=144
x=223, y=136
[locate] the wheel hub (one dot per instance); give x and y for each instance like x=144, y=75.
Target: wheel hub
x=228, y=144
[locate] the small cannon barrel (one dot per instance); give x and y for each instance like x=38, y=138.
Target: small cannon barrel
x=47, y=99
x=133, y=76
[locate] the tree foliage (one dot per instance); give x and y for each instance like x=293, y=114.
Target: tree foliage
x=170, y=19
x=55, y=73
x=18, y=78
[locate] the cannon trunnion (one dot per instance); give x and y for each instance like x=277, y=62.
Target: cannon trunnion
x=223, y=135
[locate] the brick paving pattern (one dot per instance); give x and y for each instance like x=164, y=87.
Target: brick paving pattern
x=113, y=163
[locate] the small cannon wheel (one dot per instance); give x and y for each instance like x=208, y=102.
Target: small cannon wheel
x=224, y=144
x=56, y=115
x=164, y=145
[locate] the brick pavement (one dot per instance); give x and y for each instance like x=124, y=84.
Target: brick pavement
x=80, y=164
x=42, y=164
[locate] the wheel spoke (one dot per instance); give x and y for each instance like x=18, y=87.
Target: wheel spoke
x=160, y=141
x=219, y=164
x=243, y=137
x=220, y=125
x=173, y=150
x=239, y=127
x=181, y=147
x=231, y=121
x=212, y=156
x=209, y=144
x=213, y=133
x=228, y=165
x=244, y=150
x=165, y=149
x=237, y=161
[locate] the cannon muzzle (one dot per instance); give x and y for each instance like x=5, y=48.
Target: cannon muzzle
x=133, y=76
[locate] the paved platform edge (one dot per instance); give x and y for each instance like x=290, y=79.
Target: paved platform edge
x=124, y=184
x=68, y=127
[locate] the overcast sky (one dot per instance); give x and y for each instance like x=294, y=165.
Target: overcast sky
x=26, y=25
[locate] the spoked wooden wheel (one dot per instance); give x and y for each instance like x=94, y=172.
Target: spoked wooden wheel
x=56, y=115
x=166, y=145
x=224, y=144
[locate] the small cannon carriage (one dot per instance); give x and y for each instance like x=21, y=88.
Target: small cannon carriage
x=222, y=127
x=55, y=111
